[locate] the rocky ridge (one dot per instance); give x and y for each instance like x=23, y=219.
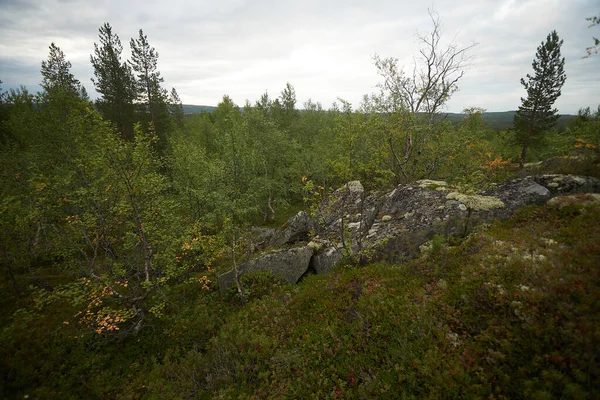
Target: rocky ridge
x=392, y=226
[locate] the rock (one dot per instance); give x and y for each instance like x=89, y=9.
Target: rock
x=322, y=262
x=290, y=264
x=568, y=184
x=297, y=229
x=514, y=194
x=476, y=202
x=392, y=226
x=261, y=237
x=347, y=200
x=410, y=215
x=581, y=200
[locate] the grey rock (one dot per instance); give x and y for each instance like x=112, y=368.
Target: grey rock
x=291, y=264
x=322, y=262
x=568, y=184
x=410, y=215
x=261, y=237
x=296, y=229
x=392, y=226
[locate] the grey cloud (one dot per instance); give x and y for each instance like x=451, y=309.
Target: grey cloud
x=324, y=48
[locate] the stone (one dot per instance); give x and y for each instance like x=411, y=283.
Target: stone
x=297, y=229
x=391, y=226
x=290, y=264
x=322, y=262
x=582, y=200
x=568, y=184
x=476, y=202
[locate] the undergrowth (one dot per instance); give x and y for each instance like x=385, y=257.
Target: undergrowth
x=511, y=312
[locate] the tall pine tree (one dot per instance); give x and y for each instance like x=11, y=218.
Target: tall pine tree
x=114, y=81
x=176, y=108
x=536, y=115
x=56, y=72
x=151, y=96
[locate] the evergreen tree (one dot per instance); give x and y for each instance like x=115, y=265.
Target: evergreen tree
x=56, y=72
x=149, y=93
x=114, y=81
x=536, y=115
x=176, y=108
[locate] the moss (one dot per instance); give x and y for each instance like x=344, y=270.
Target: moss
x=476, y=202
x=433, y=185
x=580, y=200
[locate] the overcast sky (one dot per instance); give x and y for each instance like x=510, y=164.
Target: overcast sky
x=324, y=48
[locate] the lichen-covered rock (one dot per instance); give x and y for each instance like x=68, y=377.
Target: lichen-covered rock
x=476, y=202
x=410, y=215
x=568, y=184
x=290, y=264
x=432, y=184
x=392, y=226
x=582, y=200
x=260, y=237
x=297, y=229
x=344, y=203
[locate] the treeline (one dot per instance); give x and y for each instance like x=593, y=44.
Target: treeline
x=109, y=205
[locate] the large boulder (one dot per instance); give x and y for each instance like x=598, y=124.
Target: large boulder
x=260, y=238
x=345, y=202
x=296, y=229
x=291, y=264
x=322, y=262
x=568, y=184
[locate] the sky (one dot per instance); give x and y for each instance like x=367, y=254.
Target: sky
x=324, y=48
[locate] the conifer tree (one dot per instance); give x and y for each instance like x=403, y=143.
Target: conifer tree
x=151, y=96
x=56, y=72
x=536, y=115
x=114, y=81
x=144, y=62
x=176, y=108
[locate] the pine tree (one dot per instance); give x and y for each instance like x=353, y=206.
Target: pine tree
x=536, y=115
x=144, y=62
x=56, y=72
x=176, y=108
x=114, y=81
x=151, y=96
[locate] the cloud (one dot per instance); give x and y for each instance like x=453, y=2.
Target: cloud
x=324, y=48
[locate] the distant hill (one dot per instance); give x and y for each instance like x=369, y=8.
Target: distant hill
x=194, y=109
x=504, y=119
x=497, y=120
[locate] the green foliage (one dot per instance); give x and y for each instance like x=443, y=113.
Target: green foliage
x=56, y=73
x=259, y=284
x=151, y=97
x=470, y=159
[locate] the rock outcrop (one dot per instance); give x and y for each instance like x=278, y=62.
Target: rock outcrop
x=296, y=229
x=392, y=226
x=291, y=264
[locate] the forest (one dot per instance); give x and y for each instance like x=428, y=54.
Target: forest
x=118, y=215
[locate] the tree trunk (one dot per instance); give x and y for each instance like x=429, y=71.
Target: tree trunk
x=524, y=154
x=237, y=272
